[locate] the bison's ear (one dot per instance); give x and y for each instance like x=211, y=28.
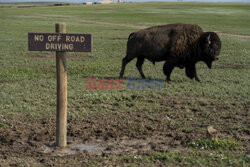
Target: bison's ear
x=208, y=39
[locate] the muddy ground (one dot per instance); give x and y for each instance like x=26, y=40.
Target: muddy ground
x=30, y=141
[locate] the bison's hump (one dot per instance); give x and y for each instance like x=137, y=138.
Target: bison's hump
x=165, y=33
x=176, y=37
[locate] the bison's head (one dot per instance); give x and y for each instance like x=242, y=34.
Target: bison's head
x=210, y=46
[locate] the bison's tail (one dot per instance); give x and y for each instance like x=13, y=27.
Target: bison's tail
x=130, y=45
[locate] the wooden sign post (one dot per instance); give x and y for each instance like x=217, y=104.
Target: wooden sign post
x=61, y=42
x=61, y=108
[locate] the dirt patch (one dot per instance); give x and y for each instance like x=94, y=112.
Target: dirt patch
x=26, y=140
x=119, y=38
x=232, y=66
x=53, y=56
x=91, y=21
x=5, y=82
x=235, y=35
x=32, y=139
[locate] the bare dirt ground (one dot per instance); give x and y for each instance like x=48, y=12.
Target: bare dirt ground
x=235, y=35
x=31, y=140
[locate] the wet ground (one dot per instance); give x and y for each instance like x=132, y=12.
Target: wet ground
x=32, y=140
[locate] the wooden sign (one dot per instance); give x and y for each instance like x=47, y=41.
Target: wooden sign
x=60, y=42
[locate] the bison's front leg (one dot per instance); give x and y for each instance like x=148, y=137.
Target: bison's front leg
x=191, y=72
x=167, y=69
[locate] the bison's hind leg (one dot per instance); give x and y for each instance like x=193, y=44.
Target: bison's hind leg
x=125, y=61
x=167, y=69
x=139, y=63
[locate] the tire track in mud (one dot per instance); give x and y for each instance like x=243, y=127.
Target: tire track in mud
x=128, y=25
x=235, y=35
x=91, y=21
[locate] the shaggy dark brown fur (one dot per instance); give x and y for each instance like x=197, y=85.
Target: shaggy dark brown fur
x=180, y=45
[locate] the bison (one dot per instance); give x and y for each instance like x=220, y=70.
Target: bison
x=179, y=45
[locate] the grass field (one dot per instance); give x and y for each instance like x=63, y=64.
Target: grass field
x=149, y=127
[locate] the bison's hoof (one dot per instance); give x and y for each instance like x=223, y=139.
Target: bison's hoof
x=198, y=80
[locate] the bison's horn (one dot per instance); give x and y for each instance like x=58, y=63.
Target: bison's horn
x=208, y=39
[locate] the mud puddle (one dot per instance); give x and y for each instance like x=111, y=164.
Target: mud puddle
x=70, y=149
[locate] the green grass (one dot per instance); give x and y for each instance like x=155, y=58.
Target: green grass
x=28, y=84
x=215, y=143
x=188, y=159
